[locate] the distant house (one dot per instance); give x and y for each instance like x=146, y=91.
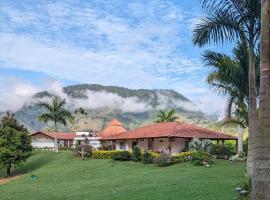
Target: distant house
x=171, y=137
x=45, y=140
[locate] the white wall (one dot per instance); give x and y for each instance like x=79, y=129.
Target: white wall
x=143, y=144
x=42, y=143
x=159, y=144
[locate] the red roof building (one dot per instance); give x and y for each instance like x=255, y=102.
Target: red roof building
x=43, y=140
x=171, y=137
x=113, y=128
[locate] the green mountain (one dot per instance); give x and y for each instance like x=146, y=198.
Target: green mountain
x=103, y=103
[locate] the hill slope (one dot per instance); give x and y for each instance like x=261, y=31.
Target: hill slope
x=103, y=103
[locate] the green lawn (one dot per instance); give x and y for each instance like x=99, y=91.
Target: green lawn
x=62, y=176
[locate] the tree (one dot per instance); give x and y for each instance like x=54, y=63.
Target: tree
x=230, y=20
x=164, y=116
x=260, y=178
x=224, y=78
x=15, y=143
x=56, y=113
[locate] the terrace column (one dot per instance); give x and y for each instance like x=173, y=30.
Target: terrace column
x=170, y=145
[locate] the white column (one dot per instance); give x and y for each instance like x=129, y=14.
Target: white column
x=240, y=141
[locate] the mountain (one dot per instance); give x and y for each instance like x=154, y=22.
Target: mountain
x=103, y=103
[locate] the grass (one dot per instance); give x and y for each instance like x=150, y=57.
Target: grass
x=62, y=176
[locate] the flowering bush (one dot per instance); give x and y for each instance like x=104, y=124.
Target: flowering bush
x=103, y=154
x=182, y=157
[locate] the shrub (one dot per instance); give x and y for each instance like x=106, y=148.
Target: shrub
x=163, y=160
x=200, y=145
x=87, y=150
x=147, y=157
x=222, y=151
x=136, y=154
x=103, y=154
x=122, y=155
x=182, y=157
x=200, y=157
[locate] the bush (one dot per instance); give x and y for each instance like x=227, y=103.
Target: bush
x=122, y=155
x=222, y=151
x=182, y=157
x=200, y=145
x=147, y=157
x=87, y=149
x=163, y=160
x=200, y=158
x=136, y=154
x=103, y=154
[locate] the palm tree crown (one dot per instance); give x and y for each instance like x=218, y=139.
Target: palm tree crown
x=55, y=112
x=164, y=116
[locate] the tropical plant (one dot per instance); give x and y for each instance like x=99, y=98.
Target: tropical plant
x=260, y=178
x=136, y=154
x=234, y=20
x=56, y=113
x=224, y=78
x=15, y=143
x=166, y=116
x=200, y=145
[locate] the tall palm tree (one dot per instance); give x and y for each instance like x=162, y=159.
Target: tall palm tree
x=224, y=77
x=260, y=178
x=229, y=20
x=166, y=116
x=56, y=113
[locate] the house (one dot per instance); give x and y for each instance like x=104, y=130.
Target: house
x=170, y=137
x=45, y=140
x=88, y=138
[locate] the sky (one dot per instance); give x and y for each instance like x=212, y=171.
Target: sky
x=134, y=44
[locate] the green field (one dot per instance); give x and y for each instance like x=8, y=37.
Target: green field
x=62, y=176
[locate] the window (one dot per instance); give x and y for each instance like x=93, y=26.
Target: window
x=134, y=143
x=122, y=145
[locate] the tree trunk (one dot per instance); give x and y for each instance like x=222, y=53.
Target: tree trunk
x=8, y=170
x=252, y=111
x=240, y=142
x=261, y=176
x=55, y=139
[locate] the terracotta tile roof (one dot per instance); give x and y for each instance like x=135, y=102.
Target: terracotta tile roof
x=171, y=129
x=58, y=135
x=113, y=128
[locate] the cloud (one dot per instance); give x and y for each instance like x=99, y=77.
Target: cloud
x=15, y=93
x=104, y=99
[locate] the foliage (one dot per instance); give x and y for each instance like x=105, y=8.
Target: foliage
x=55, y=112
x=182, y=157
x=136, y=154
x=15, y=143
x=200, y=145
x=166, y=116
x=103, y=154
x=122, y=156
x=147, y=157
x=245, y=189
x=200, y=157
x=222, y=151
x=224, y=78
x=81, y=111
x=83, y=148
x=163, y=160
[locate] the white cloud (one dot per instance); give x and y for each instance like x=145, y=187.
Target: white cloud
x=103, y=99
x=15, y=93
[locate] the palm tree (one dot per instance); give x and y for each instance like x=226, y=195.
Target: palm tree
x=260, y=178
x=230, y=20
x=224, y=77
x=56, y=113
x=164, y=116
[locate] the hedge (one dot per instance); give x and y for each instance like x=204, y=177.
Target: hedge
x=182, y=157
x=103, y=154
